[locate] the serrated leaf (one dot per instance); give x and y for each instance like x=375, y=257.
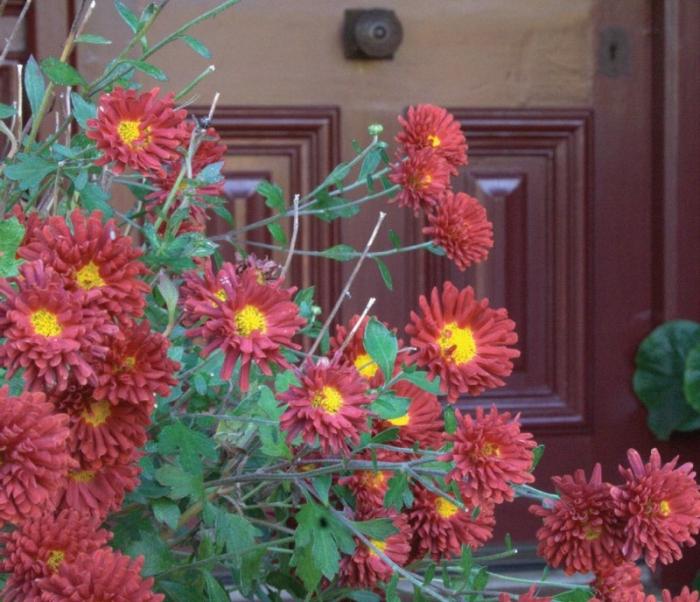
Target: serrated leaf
x=95, y=199
x=61, y=73
x=325, y=554
x=322, y=484
x=397, y=491
x=157, y=556
x=273, y=195
x=191, y=446
x=166, y=511
x=181, y=483
x=658, y=378
x=277, y=233
x=381, y=345
x=11, y=235
x=91, y=38
x=385, y=273
x=128, y=16
x=6, y=111
x=196, y=45
x=306, y=568
x=34, y=84
x=82, y=109
x=29, y=170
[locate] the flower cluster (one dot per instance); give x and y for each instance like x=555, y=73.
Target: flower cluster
x=431, y=148
x=72, y=325
x=600, y=527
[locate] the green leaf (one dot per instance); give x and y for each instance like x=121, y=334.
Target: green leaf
x=420, y=379
x=232, y=530
x=181, y=483
x=129, y=17
x=166, y=511
x=82, y=109
x=398, y=493
x=340, y=253
x=537, y=454
x=325, y=553
x=385, y=273
x=196, y=45
x=277, y=233
x=370, y=163
x=691, y=378
x=169, y=293
x=658, y=379
x=322, y=483
x=377, y=528
x=306, y=568
x=363, y=596
x=273, y=195
x=575, y=595
x=148, y=69
x=11, y=235
x=214, y=589
x=34, y=84
x=381, y=345
x=339, y=173
x=29, y=170
x=190, y=446
x=61, y=73
x=6, y=111
x=95, y=199
x=211, y=173
x=330, y=207
x=395, y=240
x=389, y=405
x=157, y=556
x=91, y=38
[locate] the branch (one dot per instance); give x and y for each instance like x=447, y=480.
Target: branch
x=15, y=28
x=293, y=241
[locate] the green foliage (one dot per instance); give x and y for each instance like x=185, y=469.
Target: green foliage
x=660, y=380
x=382, y=346
x=11, y=235
x=61, y=73
x=34, y=84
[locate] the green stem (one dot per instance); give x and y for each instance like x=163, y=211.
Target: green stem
x=534, y=493
x=353, y=255
x=532, y=581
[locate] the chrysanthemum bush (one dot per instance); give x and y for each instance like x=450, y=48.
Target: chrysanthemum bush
x=174, y=426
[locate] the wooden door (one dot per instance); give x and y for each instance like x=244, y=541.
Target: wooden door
x=566, y=107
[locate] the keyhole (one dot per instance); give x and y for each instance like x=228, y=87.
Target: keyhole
x=612, y=52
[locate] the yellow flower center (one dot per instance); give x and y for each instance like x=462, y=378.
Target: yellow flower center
x=220, y=294
x=82, y=476
x=365, y=365
x=459, y=340
x=490, y=449
x=400, y=421
x=434, y=141
x=445, y=508
x=54, y=560
x=129, y=362
x=97, y=414
x=45, y=323
x=88, y=277
x=329, y=399
x=426, y=180
x=380, y=545
x=373, y=480
x=664, y=508
x=249, y=320
x=129, y=131
x=592, y=534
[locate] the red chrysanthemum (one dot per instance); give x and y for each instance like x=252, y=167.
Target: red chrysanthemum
x=464, y=341
x=355, y=353
x=441, y=528
x=422, y=423
x=580, y=530
x=137, y=367
x=250, y=321
x=460, y=226
x=365, y=568
x=528, y=596
x=330, y=404
x=98, y=489
x=94, y=258
x=38, y=548
x=428, y=126
x=48, y=331
x=661, y=507
x=138, y=131
x=686, y=595
x=33, y=455
x=196, y=291
x=105, y=432
x=369, y=486
x=618, y=583
x=101, y=575
x=490, y=454
x=424, y=177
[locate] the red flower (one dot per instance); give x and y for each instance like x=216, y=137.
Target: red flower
x=104, y=432
x=424, y=177
x=98, y=489
x=33, y=455
x=528, y=596
x=459, y=225
x=490, y=454
x=369, y=486
x=48, y=332
x=441, y=528
x=38, y=548
x=463, y=340
x=94, y=258
x=619, y=583
x=580, y=531
x=686, y=595
x=101, y=575
x=196, y=291
x=661, y=506
x=252, y=322
x=428, y=126
x=137, y=131
x=137, y=367
x=422, y=423
x=330, y=404
x=365, y=568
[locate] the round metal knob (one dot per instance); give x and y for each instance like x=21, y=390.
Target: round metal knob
x=373, y=34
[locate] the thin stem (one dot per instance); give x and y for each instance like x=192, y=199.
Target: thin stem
x=534, y=493
x=15, y=28
x=385, y=253
x=293, y=240
x=346, y=288
x=531, y=581
x=189, y=87
x=355, y=328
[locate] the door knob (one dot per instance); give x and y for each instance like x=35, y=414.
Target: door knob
x=371, y=34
